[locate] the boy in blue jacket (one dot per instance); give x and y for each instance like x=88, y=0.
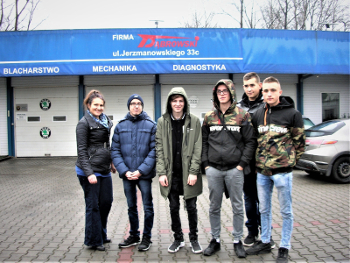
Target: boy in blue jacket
x=134, y=156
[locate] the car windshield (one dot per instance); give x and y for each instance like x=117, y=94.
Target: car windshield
x=324, y=128
x=307, y=123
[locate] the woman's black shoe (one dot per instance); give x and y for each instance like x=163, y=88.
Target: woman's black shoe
x=99, y=248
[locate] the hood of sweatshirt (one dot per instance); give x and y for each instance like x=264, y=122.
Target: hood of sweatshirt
x=177, y=91
x=285, y=102
x=231, y=87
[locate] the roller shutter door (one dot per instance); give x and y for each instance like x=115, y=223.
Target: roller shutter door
x=197, y=86
x=118, y=88
x=3, y=118
x=46, y=115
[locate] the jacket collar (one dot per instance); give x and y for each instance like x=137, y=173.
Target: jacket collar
x=93, y=123
x=142, y=116
x=183, y=116
x=245, y=100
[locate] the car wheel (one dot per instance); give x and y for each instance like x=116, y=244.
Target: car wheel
x=341, y=170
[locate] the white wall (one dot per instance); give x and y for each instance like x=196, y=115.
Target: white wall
x=316, y=85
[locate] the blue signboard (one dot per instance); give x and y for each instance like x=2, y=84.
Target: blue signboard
x=166, y=51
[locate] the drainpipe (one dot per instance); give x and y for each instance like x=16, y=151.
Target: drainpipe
x=81, y=92
x=157, y=99
x=230, y=76
x=10, y=118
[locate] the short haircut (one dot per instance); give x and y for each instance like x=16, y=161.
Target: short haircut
x=271, y=80
x=251, y=75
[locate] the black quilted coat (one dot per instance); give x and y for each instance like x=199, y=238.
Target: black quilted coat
x=93, y=146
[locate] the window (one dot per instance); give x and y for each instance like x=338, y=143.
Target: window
x=324, y=128
x=33, y=118
x=330, y=106
x=59, y=118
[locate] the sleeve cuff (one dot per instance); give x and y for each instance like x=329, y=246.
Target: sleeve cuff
x=242, y=164
x=205, y=164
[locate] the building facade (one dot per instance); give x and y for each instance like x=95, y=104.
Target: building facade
x=44, y=75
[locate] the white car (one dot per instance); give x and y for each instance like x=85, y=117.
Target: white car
x=328, y=150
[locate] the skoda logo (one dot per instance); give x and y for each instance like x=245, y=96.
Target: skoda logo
x=45, y=104
x=45, y=132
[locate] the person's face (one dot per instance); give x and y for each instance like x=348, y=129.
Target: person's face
x=178, y=104
x=135, y=107
x=272, y=92
x=96, y=107
x=223, y=94
x=252, y=88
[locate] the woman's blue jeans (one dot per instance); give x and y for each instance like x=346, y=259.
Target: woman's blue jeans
x=145, y=187
x=98, y=202
x=283, y=183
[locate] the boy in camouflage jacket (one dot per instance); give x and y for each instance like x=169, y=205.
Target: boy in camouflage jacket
x=227, y=148
x=280, y=131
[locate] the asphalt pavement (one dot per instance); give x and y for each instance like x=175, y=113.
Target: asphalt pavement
x=42, y=219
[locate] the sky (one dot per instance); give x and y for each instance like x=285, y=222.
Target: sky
x=91, y=14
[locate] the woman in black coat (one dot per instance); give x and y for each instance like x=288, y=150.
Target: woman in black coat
x=93, y=167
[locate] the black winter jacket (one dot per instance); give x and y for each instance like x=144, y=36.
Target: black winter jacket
x=251, y=107
x=93, y=146
x=219, y=149
x=245, y=104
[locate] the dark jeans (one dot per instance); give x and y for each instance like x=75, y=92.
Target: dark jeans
x=191, y=206
x=98, y=203
x=145, y=187
x=251, y=203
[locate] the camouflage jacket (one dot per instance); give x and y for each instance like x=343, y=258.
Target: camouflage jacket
x=281, y=138
x=219, y=149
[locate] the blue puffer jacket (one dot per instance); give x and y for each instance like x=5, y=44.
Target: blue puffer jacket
x=133, y=146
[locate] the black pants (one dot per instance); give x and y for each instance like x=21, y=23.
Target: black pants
x=191, y=206
x=251, y=203
x=98, y=203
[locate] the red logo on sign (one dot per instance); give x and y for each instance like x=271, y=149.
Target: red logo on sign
x=168, y=43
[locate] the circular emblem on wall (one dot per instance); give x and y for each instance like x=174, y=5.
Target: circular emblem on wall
x=45, y=132
x=45, y=104
x=193, y=101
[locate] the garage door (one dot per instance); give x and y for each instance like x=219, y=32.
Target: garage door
x=118, y=88
x=198, y=88
x=3, y=118
x=46, y=116
x=117, y=97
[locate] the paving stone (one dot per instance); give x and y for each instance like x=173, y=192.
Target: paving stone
x=44, y=257
x=33, y=253
x=15, y=257
x=26, y=258
x=321, y=254
x=45, y=222
x=55, y=259
x=70, y=256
